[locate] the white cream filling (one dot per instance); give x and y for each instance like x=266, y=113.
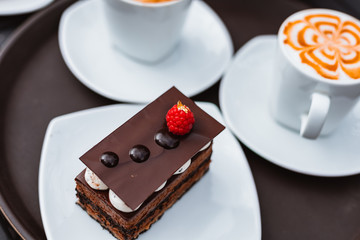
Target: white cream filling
x=119, y=204
x=205, y=147
x=94, y=181
x=161, y=186
x=183, y=167
x=187, y=164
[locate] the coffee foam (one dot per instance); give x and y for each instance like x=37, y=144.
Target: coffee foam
x=323, y=43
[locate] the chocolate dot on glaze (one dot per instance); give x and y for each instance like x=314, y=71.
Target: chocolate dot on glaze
x=109, y=159
x=166, y=139
x=139, y=153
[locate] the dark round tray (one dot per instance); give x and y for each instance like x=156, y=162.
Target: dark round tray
x=36, y=86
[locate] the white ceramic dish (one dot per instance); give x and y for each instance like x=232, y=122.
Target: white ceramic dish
x=244, y=103
x=222, y=205
x=14, y=7
x=204, y=51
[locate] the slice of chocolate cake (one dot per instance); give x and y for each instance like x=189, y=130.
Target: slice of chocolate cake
x=139, y=170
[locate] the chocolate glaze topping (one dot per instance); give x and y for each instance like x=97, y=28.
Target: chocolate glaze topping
x=109, y=159
x=166, y=139
x=134, y=182
x=139, y=153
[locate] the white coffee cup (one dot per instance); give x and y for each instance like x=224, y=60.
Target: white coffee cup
x=145, y=31
x=306, y=94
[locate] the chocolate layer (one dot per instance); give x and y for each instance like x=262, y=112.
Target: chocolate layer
x=129, y=225
x=132, y=217
x=134, y=182
x=132, y=233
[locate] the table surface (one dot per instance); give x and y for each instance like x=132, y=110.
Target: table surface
x=292, y=205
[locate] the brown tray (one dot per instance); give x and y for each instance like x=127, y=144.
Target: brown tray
x=36, y=86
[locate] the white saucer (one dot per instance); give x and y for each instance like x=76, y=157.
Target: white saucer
x=222, y=205
x=196, y=64
x=244, y=103
x=14, y=7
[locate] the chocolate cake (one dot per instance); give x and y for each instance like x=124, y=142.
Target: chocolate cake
x=139, y=170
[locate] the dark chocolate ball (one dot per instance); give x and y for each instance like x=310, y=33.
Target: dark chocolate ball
x=109, y=159
x=166, y=139
x=139, y=153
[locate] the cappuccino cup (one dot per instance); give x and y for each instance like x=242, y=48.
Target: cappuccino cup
x=146, y=30
x=316, y=79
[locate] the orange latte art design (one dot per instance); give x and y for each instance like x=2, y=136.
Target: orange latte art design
x=327, y=44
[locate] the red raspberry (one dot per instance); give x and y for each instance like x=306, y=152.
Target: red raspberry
x=179, y=119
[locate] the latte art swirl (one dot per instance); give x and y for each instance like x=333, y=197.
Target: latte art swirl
x=328, y=44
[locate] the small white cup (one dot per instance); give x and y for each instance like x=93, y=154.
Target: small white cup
x=145, y=31
x=305, y=97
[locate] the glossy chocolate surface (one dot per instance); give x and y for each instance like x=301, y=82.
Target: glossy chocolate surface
x=139, y=153
x=134, y=182
x=166, y=139
x=109, y=159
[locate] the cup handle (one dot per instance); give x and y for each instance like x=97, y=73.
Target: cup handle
x=312, y=123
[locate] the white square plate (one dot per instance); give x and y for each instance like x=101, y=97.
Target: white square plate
x=222, y=205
